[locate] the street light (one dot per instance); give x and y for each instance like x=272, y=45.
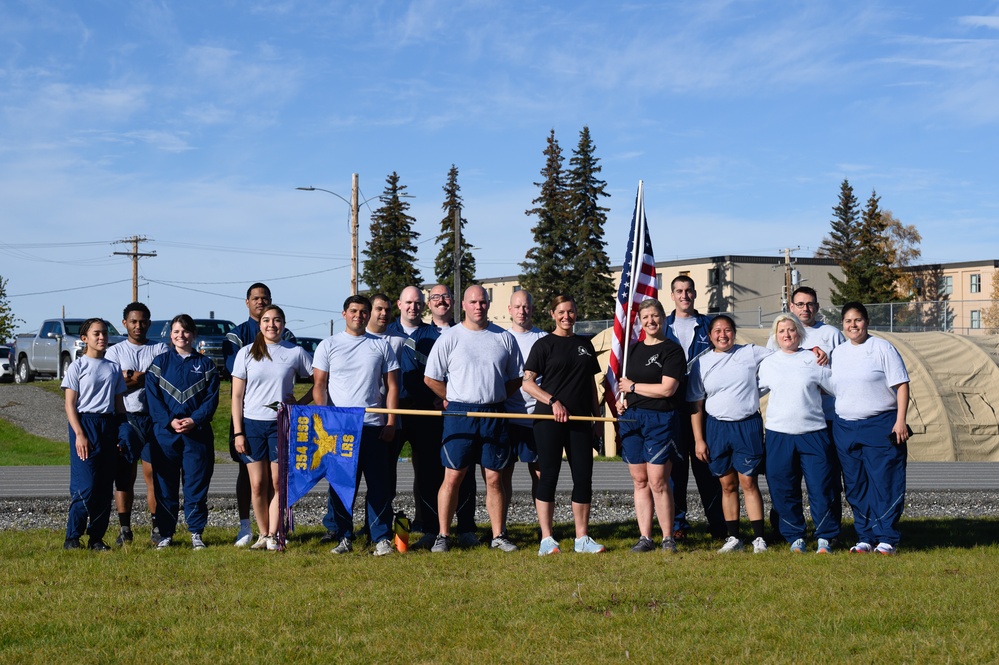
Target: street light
x=354, y=206
x=353, y=225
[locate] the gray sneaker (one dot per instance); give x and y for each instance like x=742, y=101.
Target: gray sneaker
x=344, y=546
x=644, y=545
x=503, y=542
x=440, y=544
x=196, y=541
x=669, y=545
x=468, y=539
x=383, y=547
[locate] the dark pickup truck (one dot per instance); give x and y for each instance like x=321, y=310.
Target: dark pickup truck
x=211, y=334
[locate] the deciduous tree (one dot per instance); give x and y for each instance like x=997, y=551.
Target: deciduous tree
x=8, y=322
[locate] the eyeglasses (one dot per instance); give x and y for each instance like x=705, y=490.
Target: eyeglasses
x=803, y=305
x=439, y=297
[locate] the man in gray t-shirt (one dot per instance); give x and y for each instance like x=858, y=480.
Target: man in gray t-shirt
x=474, y=367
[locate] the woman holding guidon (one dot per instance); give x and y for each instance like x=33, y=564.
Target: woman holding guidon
x=870, y=432
x=263, y=374
x=728, y=429
x=653, y=377
x=566, y=364
x=95, y=390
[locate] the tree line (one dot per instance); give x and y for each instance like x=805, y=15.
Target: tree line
x=568, y=255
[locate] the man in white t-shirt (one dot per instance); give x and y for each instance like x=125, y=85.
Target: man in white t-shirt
x=520, y=433
x=134, y=356
x=474, y=367
x=356, y=368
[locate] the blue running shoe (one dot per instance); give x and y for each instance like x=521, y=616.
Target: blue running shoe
x=587, y=545
x=548, y=546
x=798, y=546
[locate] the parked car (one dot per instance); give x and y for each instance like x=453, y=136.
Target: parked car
x=50, y=351
x=309, y=343
x=6, y=365
x=211, y=335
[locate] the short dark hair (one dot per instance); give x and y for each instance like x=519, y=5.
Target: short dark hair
x=682, y=278
x=357, y=300
x=380, y=296
x=807, y=290
x=258, y=285
x=135, y=307
x=859, y=306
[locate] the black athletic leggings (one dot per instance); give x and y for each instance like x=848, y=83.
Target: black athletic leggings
x=576, y=439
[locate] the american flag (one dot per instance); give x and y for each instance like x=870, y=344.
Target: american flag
x=638, y=282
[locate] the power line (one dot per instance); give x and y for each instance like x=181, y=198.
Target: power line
x=232, y=297
x=243, y=281
x=75, y=288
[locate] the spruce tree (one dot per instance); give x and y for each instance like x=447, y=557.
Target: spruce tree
x=589, y=267
x=841, y=243
x=870, y=276
x=444, y=265
x=390, y=265
x=544, y=268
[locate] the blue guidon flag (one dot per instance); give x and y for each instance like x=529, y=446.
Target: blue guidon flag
x=321, y=442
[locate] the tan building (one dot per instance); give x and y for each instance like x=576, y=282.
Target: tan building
x=748, y=287
x=956, y=297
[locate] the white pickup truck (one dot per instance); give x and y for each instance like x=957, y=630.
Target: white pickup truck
x=50, y=351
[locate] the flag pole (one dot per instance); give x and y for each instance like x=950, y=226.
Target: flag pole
x=633, y=277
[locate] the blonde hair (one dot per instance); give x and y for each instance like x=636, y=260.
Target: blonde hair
x=788, y=317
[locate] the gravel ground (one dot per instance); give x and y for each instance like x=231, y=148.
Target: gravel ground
x=41, y=413
x=608, y=507
x=34, y=410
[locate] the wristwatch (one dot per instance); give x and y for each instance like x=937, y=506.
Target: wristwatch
x=632, y=389
x=130, y=373
x=552, y=401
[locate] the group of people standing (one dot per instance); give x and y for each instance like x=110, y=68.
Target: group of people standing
x=689, y=395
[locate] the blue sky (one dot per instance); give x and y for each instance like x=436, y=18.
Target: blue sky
x=192, y=124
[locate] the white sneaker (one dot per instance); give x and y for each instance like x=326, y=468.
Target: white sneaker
x=861, y=548
x=260, y=544
x=732, y=544
x=383, y=547
x=272, y=544
x=164, y=543
x=196, y=541
x=759, y=546
x=885, y=548
x=244, y=536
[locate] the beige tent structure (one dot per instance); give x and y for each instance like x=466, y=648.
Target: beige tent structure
x=954, y=392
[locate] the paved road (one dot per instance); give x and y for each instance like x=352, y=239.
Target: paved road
x=53, y=481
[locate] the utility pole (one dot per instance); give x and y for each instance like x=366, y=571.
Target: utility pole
x=136, y=255
x=791, y=279
x=353, y=234
x=457, y=262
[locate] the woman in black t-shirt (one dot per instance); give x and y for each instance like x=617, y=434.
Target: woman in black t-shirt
x=650, y=391
x=566, y=364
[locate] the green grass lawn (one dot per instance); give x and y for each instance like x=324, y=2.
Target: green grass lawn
x=929, y=604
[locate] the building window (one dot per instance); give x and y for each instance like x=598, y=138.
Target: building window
x=946, y=285
x=516, y=288
x=976, y=319
x=714, y=276
x=976, y=283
